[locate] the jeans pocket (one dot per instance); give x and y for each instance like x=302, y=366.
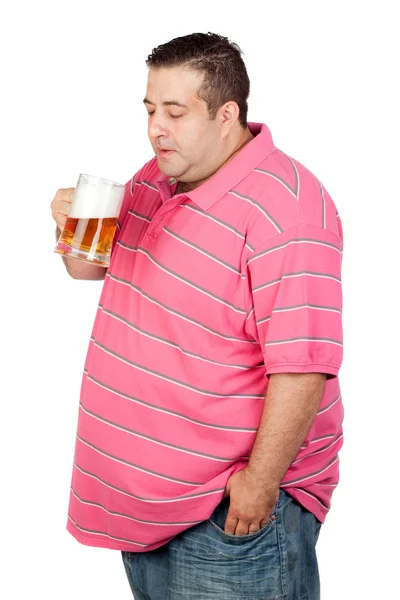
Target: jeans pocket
x=207, y=563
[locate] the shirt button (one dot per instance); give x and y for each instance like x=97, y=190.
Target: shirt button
x=146, y=241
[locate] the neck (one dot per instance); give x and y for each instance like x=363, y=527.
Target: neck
x=240, y=144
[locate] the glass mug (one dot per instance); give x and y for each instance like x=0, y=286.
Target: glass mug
x=92, y=220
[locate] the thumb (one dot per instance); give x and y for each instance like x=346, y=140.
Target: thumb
x=226, y=493
x=227, y=488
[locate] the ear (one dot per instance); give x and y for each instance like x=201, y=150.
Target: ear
x=228, y=115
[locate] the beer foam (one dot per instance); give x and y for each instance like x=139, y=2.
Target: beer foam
x=96, y=198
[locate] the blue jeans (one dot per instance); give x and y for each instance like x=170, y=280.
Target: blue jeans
x=278, y=562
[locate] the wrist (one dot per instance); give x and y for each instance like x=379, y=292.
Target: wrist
x=262, y=478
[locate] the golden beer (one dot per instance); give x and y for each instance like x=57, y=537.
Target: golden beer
x=86, y=238
x=90, y=228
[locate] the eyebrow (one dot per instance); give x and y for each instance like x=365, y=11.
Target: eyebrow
x=167, y=103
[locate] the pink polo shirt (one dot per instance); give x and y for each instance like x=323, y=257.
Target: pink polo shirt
x=207, y=294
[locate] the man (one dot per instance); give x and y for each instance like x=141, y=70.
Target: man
x=211, y=416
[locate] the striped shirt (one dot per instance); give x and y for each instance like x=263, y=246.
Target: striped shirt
x=207, y=294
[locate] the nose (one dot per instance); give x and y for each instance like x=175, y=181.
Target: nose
x=157, y=126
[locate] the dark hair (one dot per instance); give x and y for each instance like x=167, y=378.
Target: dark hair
x=225, y=74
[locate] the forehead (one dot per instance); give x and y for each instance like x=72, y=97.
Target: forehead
x=173, y=83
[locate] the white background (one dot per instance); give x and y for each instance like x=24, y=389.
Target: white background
x=325, y=79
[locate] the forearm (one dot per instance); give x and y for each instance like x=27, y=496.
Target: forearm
x=291, y=404
x=78, y=269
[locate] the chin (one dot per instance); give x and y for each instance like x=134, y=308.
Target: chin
x=167, y=169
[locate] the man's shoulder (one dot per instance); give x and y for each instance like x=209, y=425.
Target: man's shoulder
x=293, y=175
x=290, y=195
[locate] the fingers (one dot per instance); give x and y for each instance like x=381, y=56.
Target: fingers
x=253, y=527
x=60, y=219
x=230, y=524
x=244, y=528
x=61, y=209
x=235, y=526
x=239, y=527
x=60, y=206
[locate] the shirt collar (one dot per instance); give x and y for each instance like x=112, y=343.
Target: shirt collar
x=226, y=178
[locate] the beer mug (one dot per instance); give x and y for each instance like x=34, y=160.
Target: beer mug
x=92, y=220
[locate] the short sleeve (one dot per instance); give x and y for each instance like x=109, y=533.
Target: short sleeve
x=294, y=300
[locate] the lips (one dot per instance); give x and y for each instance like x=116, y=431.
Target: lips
x=164, y=152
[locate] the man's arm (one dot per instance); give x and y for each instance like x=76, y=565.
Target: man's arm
x=291, y=404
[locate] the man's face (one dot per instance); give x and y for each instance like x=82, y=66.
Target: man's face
x=188, y=145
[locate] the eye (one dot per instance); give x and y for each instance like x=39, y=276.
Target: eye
x=150, y=113
x=176, y=116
